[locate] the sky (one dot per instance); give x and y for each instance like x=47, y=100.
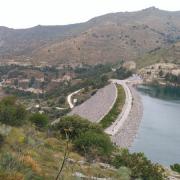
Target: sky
x=29, y=13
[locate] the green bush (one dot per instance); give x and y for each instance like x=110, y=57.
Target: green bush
x=94, y=144
x=76, y=126
x=123, y=73
x=139, y=165
x=175, y=167
x=12, y=113
x=88, y=138
x=124, y=173
x=9, y=100
x=61, y=100
x=40, y=120
x=1, y=140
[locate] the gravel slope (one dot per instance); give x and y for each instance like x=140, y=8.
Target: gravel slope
x=95, y=108
x=126, y=134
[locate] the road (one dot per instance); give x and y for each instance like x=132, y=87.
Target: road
x=113, y=129
x=69, y=98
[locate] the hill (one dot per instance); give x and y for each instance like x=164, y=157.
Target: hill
x=32, y=148
x=162, y=55
x=108, y=38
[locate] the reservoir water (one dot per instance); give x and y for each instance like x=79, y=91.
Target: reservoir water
x=159, y=132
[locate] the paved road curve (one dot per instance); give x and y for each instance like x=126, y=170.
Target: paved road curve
x=69, y=98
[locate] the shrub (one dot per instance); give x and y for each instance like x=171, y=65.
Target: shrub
x=123, y=73
x=93, y=143
x=139, y=165
x=9, y=163
x=5, y=129
x=1, y=140
x=9, y=100
x=11, y=176
x=76, y=125
x=88, y=138
x=28, y=161
x=124, y=173
x=40, y=120
x=12, y=113
x=175, y=167
x=18, y=168
x=62, y=100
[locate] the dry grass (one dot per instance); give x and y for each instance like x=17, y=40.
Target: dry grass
x=41, y=157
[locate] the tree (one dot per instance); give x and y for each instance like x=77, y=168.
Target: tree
x=40, y=120
x=104, y=78
x=61, y=100
x=94, y=144
x=16, y=82
x=77, y=125
x=1, y=140
x=88, y=138
x=172, y=78
x=161, y=73
x=123, y=73
x=12, y=113
x=175, y=167
x=139, y=165
x=32, y=81
x=9, y=100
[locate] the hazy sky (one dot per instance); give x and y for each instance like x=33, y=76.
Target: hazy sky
x=28, y=13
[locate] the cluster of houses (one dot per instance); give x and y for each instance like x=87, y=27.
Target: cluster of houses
x=24, y=84
x=34, y=85
x=158, y=71
x=34, y=80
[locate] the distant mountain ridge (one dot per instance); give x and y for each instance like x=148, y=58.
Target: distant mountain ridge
x=108, y=38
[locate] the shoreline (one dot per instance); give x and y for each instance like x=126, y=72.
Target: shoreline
x=125, y=136
x=123, y=131
x=123, y=115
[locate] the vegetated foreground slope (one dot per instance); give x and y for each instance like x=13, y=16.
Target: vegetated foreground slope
x=108, y=38
x=30, y=148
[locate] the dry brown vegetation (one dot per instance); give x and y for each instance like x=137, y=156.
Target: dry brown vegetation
x=108, y=38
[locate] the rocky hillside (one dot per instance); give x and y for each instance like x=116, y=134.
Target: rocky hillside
x=108, y=38
x=161, y=55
